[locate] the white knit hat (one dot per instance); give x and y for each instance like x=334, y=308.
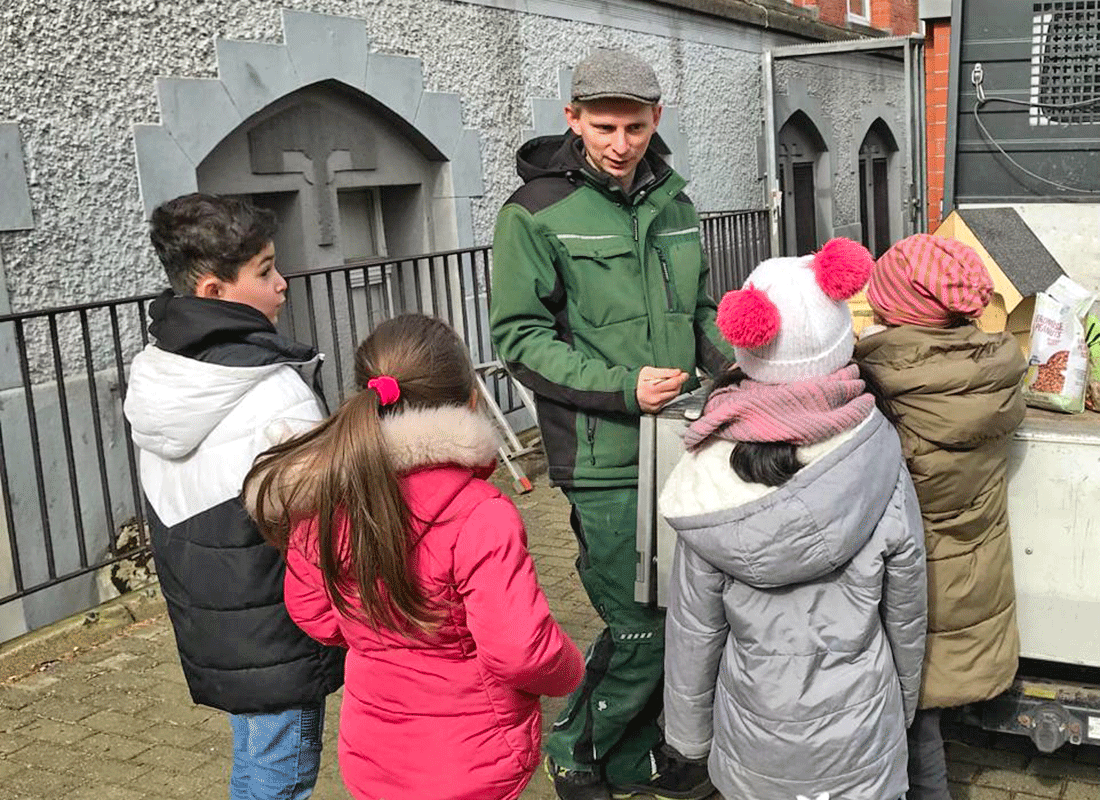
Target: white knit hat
x=790, y=322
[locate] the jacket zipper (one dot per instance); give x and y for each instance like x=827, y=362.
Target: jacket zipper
x=591, y=429
x=634, y=222
x=666, y=276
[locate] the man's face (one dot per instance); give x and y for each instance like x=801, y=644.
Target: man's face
x=258, y=284
x=615, y=134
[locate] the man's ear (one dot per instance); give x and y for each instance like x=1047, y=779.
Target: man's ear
x=573, y=117
x=209, y=287
x=657, y=114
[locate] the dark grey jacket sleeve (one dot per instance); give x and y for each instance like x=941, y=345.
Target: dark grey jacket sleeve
x=695, y=634
x=905, y=592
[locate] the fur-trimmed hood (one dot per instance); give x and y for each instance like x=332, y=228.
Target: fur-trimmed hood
x=447, y=435
x=415, y=439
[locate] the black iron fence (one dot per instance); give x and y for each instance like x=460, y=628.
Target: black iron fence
x=73, y=518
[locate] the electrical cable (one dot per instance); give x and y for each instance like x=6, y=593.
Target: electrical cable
x=976, y=78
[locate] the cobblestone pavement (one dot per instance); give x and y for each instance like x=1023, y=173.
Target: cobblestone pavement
x=99, y=711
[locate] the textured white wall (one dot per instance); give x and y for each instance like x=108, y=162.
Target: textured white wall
x=75, y=80
x=1071, y=232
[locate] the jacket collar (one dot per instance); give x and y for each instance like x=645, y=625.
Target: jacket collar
x=220, y=332
x=418, y=438
x=563, y=155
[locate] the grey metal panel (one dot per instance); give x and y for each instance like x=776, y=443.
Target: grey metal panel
x=1017, y=251
x=935, y=9
x=951, y=136
x=15, y=200
x=644, y=583
x=661, y=445
x=998, y=35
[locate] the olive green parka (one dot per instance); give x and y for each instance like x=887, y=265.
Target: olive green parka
x=957, y=392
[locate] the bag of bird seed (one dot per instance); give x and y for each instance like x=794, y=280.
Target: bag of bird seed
x=1058, y=368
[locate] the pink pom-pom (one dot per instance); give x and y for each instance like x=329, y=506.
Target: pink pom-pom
x=842, y=267
x=747, y=318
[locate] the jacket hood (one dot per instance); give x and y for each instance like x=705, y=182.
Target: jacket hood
x=954, y=387
x=806, y=528
x=418, y=441
x=208, y=355
x=439, y=450
x=563, y=154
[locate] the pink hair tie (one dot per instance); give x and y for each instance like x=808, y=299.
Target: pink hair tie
x=386, y=388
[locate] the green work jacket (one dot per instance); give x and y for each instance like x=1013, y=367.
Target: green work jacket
x=590, y=284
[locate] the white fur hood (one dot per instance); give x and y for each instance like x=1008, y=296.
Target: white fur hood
x=414, y=439
x=446, y=435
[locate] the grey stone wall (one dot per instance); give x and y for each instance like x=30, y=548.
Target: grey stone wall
x=76, y=80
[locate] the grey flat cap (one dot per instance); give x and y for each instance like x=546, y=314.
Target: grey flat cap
x=615, y=73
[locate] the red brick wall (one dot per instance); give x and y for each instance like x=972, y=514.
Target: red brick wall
x=937, y=46
x=897, y=16
x=834, y=12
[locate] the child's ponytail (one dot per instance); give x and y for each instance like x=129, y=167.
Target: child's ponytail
x=340, y=474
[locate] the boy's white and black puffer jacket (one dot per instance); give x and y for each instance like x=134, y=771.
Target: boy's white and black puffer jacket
x=796, y=619
x=218, y=387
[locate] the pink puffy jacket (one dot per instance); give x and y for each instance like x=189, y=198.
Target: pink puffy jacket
x=455, y=716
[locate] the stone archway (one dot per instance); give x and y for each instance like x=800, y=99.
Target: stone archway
x=198, y=113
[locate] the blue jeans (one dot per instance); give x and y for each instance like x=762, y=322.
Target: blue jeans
x=276, y=756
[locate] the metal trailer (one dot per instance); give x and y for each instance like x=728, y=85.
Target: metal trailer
x=1054, y=515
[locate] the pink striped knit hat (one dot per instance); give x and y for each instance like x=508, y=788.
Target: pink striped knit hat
x=929, y=281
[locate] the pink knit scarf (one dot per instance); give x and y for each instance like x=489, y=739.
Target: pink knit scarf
x=803, y=412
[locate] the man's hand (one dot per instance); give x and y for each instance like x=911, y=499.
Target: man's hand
x=657, y=386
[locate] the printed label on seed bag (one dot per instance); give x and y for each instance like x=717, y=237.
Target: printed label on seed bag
x=1094, y=727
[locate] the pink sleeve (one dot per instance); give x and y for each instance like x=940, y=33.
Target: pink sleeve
x=306, y=600
x=506, y=611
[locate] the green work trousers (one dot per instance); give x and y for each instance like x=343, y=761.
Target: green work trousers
x=610, y=723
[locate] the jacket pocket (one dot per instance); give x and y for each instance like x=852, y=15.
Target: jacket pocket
x=680, y=255
x=603, y=278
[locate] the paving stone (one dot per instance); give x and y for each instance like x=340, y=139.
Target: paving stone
x=175, y=735
x=168, y=672
x=171, y=758
x=183, y=784
x=42, y=783
x=1050, y=767
x=113, y=745
x=12, y=741
x=963, y=791
x=129, y=703
x=14, y=696
x=117, y=661
x=185, y=714
x=1075, y=790
x=961, y=772
x=59, y=708
x=56, y=732
x=107, y=793
x=9, y=768
x=984, y=756
x=1016, y=781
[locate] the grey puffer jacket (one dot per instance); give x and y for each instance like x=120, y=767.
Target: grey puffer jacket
x=796, y=620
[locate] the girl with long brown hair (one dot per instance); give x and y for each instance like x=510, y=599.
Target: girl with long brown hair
x=399, y=549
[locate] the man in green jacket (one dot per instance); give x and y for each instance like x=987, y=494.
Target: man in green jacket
x=600, y=307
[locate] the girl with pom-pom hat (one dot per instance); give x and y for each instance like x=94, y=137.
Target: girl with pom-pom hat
x=796, y=619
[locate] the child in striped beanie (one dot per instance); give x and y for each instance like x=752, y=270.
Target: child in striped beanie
x=956, y=390
x=796, y=616
x=929, y=281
